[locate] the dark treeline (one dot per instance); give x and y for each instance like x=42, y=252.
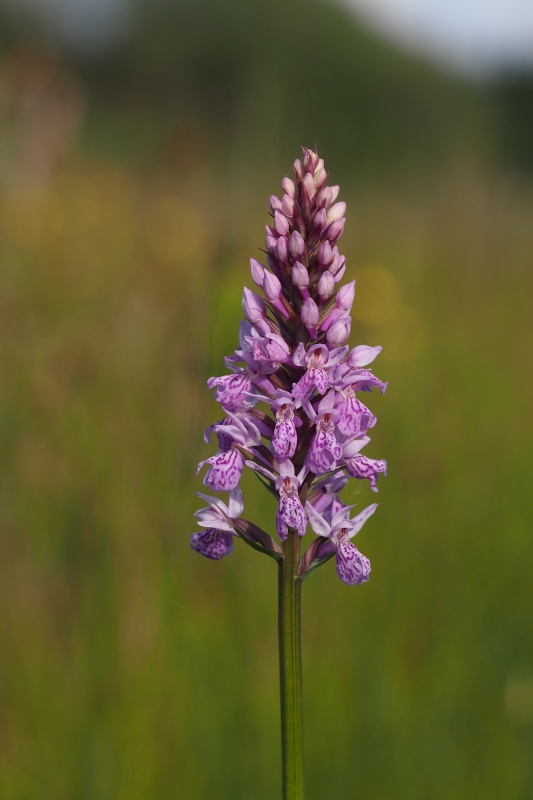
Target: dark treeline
x=255, y=75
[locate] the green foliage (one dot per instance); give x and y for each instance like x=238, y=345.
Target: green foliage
x=513, y=99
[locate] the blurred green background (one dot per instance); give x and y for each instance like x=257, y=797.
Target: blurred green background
x=134, y=189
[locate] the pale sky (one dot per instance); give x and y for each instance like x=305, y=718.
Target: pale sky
x=476, y=35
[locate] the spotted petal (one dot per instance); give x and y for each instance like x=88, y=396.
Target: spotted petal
x=352, y=566
x=362, y=467
x=290, y=514
x=224, y=472
x=212, y=543
x=232, y=390
x=323, y=452
x=354, y=417
x=284, y=440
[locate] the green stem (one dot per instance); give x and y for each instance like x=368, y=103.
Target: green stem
x=290, y=670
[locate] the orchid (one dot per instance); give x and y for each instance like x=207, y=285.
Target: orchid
x=293, y=415
x=217, y=540
x=285, y=438
x=352, y=567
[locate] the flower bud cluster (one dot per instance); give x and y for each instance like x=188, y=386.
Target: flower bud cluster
x=292, y=411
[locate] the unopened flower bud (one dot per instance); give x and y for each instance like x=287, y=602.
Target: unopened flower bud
x=338, y=333
x=335, y=264
x=254, y=309
x=258, y=271
x=287, y=206
x=300, y=276
x=282, y=250
x=324, y=196
x=280, y=223
x=275, y=204
x=345, y=296
x=319, y=177
x=335, y=230
x=298, y=168
x=310, y=160
x=272, y=290
x=309, y=185
x=320, y=221
x=309, y=316
x=296, y=244
x=336, y=212
x=271, y=286
x=271, y=240
x=289, y=188
x=334, y=193
x=326, y=285
x=324, y=254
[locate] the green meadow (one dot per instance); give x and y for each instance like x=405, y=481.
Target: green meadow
x=134, y=191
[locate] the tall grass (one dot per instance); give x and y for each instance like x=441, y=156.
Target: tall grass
x=129, y=667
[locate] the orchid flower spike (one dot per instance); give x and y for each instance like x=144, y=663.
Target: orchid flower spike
x=291, y=397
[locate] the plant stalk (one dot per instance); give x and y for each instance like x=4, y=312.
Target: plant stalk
x=290, y=670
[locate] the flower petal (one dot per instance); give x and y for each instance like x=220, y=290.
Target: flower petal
x=284, y=440
x=232, y=390
x=224, y=472
x=363, y=355
x=212, y=543
x=290, y=514
x=354, y=417
x=317, y=521
x=352, y=566
x=323, y=452
x=362, y=467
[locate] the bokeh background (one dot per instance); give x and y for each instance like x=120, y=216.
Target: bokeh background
x=139, y=144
